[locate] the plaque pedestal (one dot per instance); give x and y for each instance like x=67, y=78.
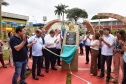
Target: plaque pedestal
x=73, y=65
x=74, y=62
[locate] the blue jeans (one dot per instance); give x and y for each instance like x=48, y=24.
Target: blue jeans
x=20, y=69
x=124, y=78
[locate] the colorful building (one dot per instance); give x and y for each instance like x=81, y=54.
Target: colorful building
x=11, y=20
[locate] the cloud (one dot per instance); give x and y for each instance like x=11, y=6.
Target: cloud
x=40, y=8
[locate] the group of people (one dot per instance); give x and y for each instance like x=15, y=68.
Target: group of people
x=104, y=46
x=20, y=44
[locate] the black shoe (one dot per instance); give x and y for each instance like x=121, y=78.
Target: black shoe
x=40, y=75
x=86, y=63
x=59, y=65
x=42, y=67
x=100, y=76
x=35, y=78
x=28, y=69
x=107, y=80
x=54, y=68
x=25, y=83
x=4, y=66
x=47, y=70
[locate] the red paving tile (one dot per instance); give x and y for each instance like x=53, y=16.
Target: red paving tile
x=53, y=77
x=85, y=75
x=56, y=77
x=6, y=74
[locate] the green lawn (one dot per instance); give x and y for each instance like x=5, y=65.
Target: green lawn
x=6, y=54
x=68, y=80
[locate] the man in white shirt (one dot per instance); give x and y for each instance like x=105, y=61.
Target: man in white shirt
x=107, y=47
x=36, y=53
x=50, y=43
x=58, y=45
x=88, y=39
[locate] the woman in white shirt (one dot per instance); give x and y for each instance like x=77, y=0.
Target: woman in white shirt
x=94, y=53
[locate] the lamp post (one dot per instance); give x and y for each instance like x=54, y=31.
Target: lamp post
x=44, y=19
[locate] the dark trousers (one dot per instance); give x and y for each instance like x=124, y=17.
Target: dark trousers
x=124, y=78
x=108, y=60
x=30, y=55
x=87, y=53
x=49, y=57
x=99, y=59
x=1, y=59
x=81, y=48
x=58, y=58
x=43, y=51
x=36, y=60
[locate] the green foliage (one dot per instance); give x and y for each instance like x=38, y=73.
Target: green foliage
x=4, y=3
x=6, y=54
x=76, y=13
x=96, y=17
x=60, y=9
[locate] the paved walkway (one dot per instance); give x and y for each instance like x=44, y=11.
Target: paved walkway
x=56, y=77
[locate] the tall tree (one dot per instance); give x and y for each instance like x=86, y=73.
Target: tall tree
x=63, y=9
x=58, y=10
x=96, y=17
x=2, y=2
x=76, y=13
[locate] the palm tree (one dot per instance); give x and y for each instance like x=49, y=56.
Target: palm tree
x=58, y=10
x=2, y=2
x=63, y=9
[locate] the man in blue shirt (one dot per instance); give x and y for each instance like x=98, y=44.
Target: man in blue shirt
x=36, y=53
x=19, y=47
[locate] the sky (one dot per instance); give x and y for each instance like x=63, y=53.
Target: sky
x=36, y=9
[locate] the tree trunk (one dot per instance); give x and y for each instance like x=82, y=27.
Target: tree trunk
x=63, y=16
x=0, y=21
x=75, y=21
x=59, y=17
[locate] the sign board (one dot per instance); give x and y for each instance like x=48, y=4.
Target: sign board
x=70, y=38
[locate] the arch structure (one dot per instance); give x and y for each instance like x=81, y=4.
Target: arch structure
x=89, y=26
x=49, y=24
x=112, y=15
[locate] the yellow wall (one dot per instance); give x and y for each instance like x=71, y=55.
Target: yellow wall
x=13, y=20
x=20, y=21
x=8, y=19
